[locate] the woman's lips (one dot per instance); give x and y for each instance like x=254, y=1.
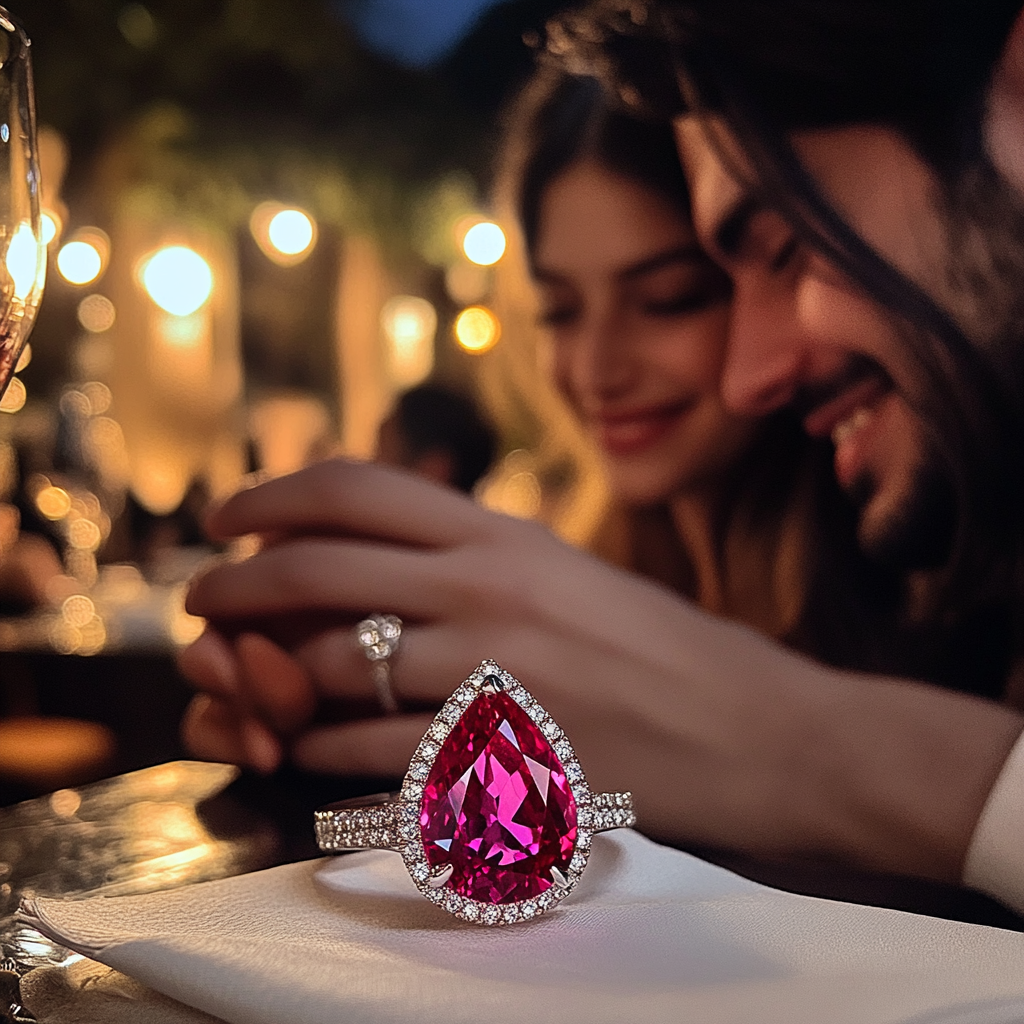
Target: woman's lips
x=628, y=433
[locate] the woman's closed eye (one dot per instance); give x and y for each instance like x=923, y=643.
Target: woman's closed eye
x=557, y=316
x=689, y=297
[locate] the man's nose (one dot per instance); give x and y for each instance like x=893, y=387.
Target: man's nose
x=764, y=358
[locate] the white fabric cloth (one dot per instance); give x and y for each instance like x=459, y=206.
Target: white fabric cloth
x=650, y=935
x=995, y=858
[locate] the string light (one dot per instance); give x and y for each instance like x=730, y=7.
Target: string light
x=178, y=280
x=477, y=329
x=484, y=243
x=290, y=232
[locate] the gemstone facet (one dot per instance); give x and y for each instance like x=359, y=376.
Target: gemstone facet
x=497, y=805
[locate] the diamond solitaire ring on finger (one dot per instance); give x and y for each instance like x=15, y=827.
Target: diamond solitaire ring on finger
x=494, y=819
x=378, y=636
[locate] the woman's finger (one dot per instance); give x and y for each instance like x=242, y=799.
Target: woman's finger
x=213, y=730
x=320, y=573
x=209, y=664
x=431, y=661
x=377, y=747
x=357, y=499
x=275, y=685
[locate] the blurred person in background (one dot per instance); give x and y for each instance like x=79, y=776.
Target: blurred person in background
x=438, y=434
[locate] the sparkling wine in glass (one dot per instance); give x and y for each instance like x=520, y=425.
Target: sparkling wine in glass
x=22, y=251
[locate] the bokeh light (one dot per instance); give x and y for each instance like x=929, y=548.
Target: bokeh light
x=53, y=502
x=484, y=243
x=24, y=359
x=96, y=313
x=410, y=324
x=477, y=329
x=99, y=395
x=77, y=610
x=50, y=226
x=290, y=232
x=285, y=234
x=178, y=280
x=84, y=534
x=14, y=397
x=25, y=261
x=79, y=262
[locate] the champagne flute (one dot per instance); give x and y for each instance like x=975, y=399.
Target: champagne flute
x=22, y=251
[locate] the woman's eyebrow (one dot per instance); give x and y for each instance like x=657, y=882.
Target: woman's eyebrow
x=690, y=253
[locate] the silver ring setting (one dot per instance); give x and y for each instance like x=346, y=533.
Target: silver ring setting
x=379, y=636
x=494, y=819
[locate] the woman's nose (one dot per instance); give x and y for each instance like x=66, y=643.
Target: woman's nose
x=604, y=359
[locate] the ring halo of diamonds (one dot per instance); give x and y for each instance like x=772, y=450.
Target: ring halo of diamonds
x=494, y=819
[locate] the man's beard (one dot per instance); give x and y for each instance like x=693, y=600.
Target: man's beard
x=918, y=532
x=984, y=216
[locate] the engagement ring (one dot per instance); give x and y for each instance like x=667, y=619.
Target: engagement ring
x=378, y=636
x=494, y=819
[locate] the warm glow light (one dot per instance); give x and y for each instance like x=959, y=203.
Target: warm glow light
x=484, y=243
x=53, y=502
x=178, y=280
x=50, y=225
x=477, y=329
x=24, y=261
x=79, y=262
x=409, y=323
x=84, y=534
x=100, y=398
x=65, y=803
x=24, y=359
x=14, y=397
x=77, y=610
x=290, y=232
x=96, y=313
x=285, y=234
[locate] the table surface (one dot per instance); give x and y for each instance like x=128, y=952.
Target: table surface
x=187, y=821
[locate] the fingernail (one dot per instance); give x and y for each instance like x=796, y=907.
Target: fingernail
x=261, y=747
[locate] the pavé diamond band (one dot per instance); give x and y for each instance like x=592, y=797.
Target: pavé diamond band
x=494, y=819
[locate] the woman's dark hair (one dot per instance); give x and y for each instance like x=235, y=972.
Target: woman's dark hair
x=921, y=68
x=562, y=119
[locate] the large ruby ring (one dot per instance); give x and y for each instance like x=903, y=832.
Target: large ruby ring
x=494, y=818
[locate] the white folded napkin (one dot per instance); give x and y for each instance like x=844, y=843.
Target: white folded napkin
x=651, y=935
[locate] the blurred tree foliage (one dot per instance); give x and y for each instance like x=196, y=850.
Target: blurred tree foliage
x=224, y=102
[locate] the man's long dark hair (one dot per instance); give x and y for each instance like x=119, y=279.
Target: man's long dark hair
x=921, y=68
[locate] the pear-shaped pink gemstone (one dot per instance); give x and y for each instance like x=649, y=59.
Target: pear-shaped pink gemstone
x=497, y=805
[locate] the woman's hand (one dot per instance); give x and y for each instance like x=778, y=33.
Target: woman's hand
x=724, y=738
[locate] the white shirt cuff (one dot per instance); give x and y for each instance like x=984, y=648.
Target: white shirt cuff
x=995, y=858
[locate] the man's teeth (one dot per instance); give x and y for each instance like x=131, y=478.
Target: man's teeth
x=850, y=425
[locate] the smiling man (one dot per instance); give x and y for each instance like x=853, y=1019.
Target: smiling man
x=857, y=167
